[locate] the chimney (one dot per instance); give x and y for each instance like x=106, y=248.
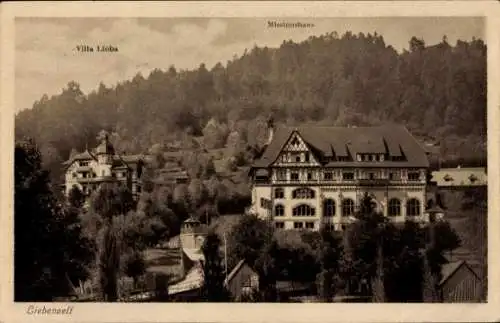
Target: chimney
x=270, y=128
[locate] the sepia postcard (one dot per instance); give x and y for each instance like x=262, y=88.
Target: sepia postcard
x=250, y=161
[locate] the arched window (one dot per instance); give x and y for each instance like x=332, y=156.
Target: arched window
x=413, y=207
x=329, y=207
x=279, y=193
x=279, y=210
x=394, y=208
x=303, y=193
x=347, y=207
x=304, y=210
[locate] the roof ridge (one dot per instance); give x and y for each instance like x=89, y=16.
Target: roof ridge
x=234, y=271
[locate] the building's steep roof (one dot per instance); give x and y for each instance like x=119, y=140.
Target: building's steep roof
x=118, y=160
x=345, y=141
x=449, y=269
x=131, y=159
x=86, y=155
x=233, y=272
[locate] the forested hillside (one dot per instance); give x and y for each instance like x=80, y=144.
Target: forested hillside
x=437, y=91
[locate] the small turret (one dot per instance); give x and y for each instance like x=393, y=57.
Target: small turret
x=192, y=234
x=105, y=151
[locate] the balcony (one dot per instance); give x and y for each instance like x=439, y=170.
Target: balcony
x=373, y=182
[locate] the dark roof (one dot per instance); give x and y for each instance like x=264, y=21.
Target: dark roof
x=86, y=155
x=233, y=272
x=131, y=159
x=191, y=220
x=435, y=209
x=344, y=141
x=447, y=270
x=118, y=160
x=262, y=172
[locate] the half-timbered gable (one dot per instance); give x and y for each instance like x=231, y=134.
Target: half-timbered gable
x=296, y=152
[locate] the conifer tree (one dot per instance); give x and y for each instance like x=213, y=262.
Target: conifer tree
x=213, y=289
x=329, y=256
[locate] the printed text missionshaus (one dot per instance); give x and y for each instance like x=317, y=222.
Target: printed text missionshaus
x=283, y=24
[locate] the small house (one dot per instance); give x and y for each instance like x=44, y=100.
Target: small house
x=241, y=281
x=459, y=283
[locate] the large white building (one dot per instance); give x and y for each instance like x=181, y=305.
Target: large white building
x=309, y=176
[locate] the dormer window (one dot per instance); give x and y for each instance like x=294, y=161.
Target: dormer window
x=448, y=178
x=382, y=157
x=306, y=157
x=472, y=178
x=359, y=157
x=297, y=159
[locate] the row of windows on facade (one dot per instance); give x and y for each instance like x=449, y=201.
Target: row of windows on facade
x=88, y=189
x=394, y=207
x=93, y=174
x=299, y=193
x=281, y=175
x=306, y=225
x=304, y=157
x=87, y=163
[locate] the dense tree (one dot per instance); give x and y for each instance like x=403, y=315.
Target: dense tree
x=267, y=269
x=111, y=202
x=363, y=240
x=249, y=238
x=213, y=289
x=50, y=252
x=76, y=198
x=134, y=265
x=329, y=258
x=474, y=206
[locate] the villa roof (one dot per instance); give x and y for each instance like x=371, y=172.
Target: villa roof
x=86, y=155
x=118, y=160
x=327, y=142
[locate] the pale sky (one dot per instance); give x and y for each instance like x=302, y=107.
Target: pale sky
x=46, y=59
